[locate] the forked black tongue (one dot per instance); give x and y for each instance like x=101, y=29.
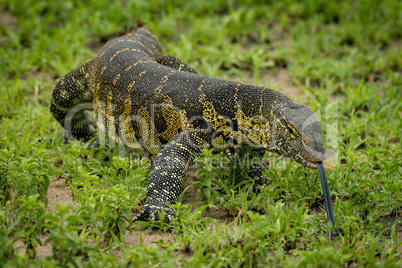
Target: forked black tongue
x=327, y=198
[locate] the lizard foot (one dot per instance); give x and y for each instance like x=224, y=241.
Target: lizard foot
x=153, y=213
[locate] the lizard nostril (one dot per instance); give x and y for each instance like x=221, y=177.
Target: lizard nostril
x=304, y=142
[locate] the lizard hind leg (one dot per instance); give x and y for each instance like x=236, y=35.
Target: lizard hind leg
x=71, y=100
x=175, y=63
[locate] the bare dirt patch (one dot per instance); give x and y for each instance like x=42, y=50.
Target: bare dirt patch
x=59, y=193
x=277, y=80
x=280, y=81
x=7, y=21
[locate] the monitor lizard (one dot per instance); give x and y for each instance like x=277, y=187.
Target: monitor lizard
x=146, y=99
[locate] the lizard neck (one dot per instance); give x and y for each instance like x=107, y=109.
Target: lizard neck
x=255, y=101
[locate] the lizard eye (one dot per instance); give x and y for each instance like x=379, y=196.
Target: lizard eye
x=291, y=131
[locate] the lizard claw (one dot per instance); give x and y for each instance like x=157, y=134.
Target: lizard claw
x=141, y=216
x=151, y=212
x=169, y=219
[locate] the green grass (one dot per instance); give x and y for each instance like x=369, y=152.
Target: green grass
x=344, y=56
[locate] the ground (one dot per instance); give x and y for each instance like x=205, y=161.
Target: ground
x=343, y=59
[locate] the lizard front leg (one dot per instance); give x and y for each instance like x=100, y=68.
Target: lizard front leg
x=168, y=175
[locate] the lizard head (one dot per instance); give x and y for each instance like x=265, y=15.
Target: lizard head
x=296, y=133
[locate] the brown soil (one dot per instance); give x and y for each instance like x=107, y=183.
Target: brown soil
x=6, y=19
x=9, y=22
x=59, y=193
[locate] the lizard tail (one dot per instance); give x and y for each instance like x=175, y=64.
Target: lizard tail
x=71, y=99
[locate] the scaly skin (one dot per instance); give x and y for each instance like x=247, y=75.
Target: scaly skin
x=153, y=101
